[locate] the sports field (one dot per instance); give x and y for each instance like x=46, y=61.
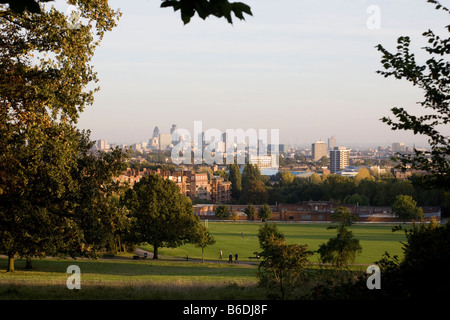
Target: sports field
x=241, y=238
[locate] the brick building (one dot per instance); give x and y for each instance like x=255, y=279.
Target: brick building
x=316, y=211
x=202, y=186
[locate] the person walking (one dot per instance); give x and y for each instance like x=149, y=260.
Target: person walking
x=236, y=258
x=230, y=258
x=220, y=254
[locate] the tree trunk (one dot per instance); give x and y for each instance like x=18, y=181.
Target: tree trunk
x=10, y=262
x=155, y=251
x=28, y=263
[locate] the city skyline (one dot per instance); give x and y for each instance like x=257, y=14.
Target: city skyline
x=307, y=69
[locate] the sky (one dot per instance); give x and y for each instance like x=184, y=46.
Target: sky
x=304, y=67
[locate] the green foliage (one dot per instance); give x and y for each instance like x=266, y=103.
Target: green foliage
x=50, y=201
x=236, y=181
x=286, y=178
x=205, y=8
x=341, y=250
x=162, y=216
x=283, y=265
x=254, y=192
x=433, y=78
x=250, y=211
x=267, y=233
x=203, y=238
x=264, y=212
x=250, y=174
x=223, y=211
x=405, y=207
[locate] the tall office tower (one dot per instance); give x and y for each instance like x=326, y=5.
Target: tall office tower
x=156, y=132
x=339, y=159
x=331, y=143
x=398, y=147
x=165, y=139
x=101, y=144
x=175, y=135
x=319, y=149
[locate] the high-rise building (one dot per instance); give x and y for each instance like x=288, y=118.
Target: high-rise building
x=174, y=133
x=339, y=159
x=165, y=140
x=101, y=144
x=156, y=132
x=398, y=147
x=319, y=150
x=331, y=143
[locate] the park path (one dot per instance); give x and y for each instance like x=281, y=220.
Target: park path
x=140, y=252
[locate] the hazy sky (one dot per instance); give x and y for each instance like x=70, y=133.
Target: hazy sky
x=305, y=67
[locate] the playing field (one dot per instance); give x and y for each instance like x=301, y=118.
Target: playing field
x=241, y=238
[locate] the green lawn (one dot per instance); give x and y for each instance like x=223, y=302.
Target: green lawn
x=172, y=277
x=126, y=278
x=374, y=239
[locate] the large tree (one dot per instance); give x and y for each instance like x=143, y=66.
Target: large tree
x=44, y=83
x=283, y=266
x=433, y=77
x=405, y=208
x=163, y=217
x=342, y=249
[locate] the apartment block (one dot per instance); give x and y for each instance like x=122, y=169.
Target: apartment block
x=339, y=159
x=202, y=186
x=318, y=150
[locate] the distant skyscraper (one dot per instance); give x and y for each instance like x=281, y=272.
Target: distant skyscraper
x=331, y=143
x=398, y=147
x=156, y=132
x=319, y=149
x=174, y=133
x=101, y=144
x=339, y=159
x=165, y=139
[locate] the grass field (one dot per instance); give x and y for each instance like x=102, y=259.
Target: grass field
x=241, y=237
x=172, y=277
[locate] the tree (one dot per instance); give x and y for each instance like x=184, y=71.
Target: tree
x=405, y=207
x=264, y=212
x=286, y=178
x=250, y=211
x=283, y=265
x=357, y=199
x=163, y=216
x=267, y=233
x=202, y=239
x=45, y=83
x=250, y=174
x=254, y=192
x=236, y=181
x=222, y=211
x=315, y=178
x=338, y=187
x=363, y=173
x=433, y=78
x=343, y=249
x=205, y=8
